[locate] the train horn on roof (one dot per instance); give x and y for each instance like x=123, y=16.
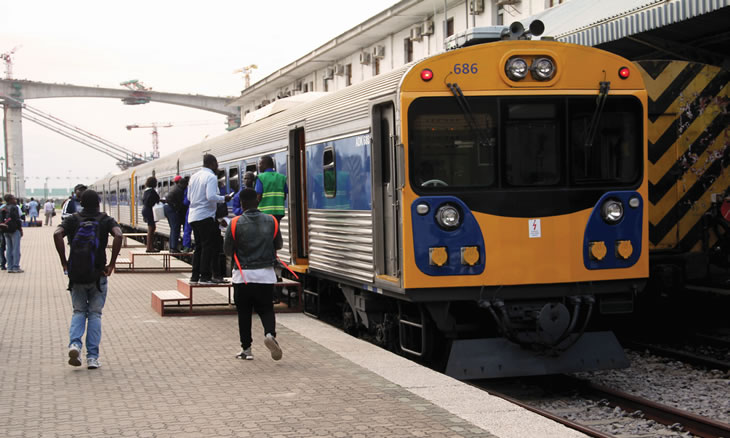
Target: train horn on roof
x=517, y=30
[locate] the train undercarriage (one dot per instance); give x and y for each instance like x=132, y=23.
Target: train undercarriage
x=483, y=333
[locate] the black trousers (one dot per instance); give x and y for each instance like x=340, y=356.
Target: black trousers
x=256, y=296
x=207, y=247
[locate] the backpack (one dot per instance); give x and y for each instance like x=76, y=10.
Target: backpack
x=84, y=248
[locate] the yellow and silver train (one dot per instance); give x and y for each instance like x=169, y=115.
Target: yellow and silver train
x=483, y=205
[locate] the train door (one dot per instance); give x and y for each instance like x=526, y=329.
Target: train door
x=385, y=195
x=298, y=196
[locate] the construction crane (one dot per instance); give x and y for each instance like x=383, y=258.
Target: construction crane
x=155, y=136
x=7, y=57
x=139, y=92
x=246, y=73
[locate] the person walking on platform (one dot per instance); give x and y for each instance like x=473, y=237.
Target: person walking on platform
x=33, y=212
x=149, y=199
x=175, y=211
x=272, y=190
x=250, y=242
x=11, y=227
x=49, y=209
x=249, y=181
x=72, y=205
x=88, y=273
x=203, y=196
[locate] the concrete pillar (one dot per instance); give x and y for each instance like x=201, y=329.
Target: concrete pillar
x=14, y=150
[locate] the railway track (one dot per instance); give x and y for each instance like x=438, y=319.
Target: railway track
x=633, y=409
x=682, y=355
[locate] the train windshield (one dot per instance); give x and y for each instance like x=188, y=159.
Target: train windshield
x=503, y=142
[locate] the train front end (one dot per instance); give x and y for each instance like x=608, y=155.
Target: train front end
x=525, y=216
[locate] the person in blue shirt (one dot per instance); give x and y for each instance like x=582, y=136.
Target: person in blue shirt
x=33, y=212
x=249, y=181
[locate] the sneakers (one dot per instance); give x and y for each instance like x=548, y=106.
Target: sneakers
x=245, y=354
x=15, y=271
x=205, y=281
x=92, y=363
x=217, y=280
x=273, y=346
x=74, y=355
x=194, y=280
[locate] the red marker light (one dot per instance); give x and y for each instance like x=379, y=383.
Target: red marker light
x=624, y=72
x=426, y=75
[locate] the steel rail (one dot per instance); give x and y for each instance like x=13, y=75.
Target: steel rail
x=547, y=414
x=684, y=356
x=667, y=415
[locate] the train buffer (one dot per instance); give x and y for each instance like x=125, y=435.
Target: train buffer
x=192, y=299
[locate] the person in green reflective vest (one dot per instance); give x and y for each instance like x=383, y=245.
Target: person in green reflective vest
x=272, y=190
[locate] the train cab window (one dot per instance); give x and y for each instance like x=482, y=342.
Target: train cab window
x=613, y=155
x=330, y=173
x=233, y=179
x=447, y=148
x=531, y=143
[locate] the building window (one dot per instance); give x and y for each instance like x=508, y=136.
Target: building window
x=305, y=88
x=552, y=3
x=450, y=27
x=500, y=18
x=376, y=67
x=311, y=86
x=407, y=50
x=326, y=85
x=348, y=75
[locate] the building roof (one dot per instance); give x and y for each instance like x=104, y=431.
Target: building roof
x=683, y=29
x=394, y=19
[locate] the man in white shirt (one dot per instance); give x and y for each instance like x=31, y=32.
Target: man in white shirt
x=203, y=196
x=49, y=208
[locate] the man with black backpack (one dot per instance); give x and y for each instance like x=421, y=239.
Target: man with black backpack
x=87, y=272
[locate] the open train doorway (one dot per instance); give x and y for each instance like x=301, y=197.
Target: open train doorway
x=297, y=196
x=385, y=196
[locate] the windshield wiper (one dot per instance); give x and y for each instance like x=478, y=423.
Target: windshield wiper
x=468, y=113
x=605, y=86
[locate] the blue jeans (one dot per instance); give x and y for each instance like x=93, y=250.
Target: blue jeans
x=2, y=250
x=173, y=219
x=88, y=301
x=187, y=233
x=12, y=250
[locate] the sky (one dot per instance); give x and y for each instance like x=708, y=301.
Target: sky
x=171, y=46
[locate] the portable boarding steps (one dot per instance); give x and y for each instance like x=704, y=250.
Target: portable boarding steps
x=182, y=299
x=166, y=257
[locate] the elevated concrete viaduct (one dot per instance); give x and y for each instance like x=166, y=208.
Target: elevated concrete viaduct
x=22, y=90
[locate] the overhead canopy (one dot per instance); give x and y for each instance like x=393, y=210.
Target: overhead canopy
x=693, y=30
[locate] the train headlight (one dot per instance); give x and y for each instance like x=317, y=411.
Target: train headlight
x=612, y=211
x=448, y=217
x=543, y=69
x=516, y=69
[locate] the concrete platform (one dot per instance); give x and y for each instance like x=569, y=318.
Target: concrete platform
x=165, y=377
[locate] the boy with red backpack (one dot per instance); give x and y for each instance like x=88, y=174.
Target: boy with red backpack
x=87, y=271
x=250, y=242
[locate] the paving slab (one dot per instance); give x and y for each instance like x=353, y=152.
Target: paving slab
x=165, y=377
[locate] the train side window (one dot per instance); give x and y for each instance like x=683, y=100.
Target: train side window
x=330, y=173
x=221, y=178
x=233, y=179
x=251, y=168
x=163, y=192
